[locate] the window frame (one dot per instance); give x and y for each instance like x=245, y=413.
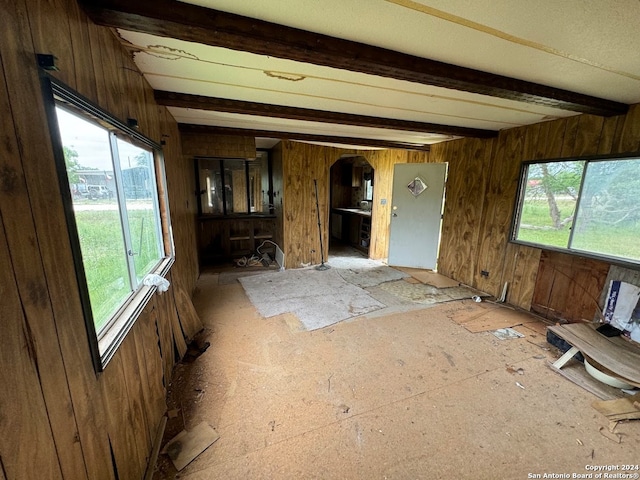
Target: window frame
x=270, y=210
x=519, y=199
x=103, y=348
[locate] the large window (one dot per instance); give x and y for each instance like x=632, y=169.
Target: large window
x=589, y=206
x=111, y=174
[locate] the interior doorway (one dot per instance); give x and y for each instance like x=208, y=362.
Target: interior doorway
x=351, y=205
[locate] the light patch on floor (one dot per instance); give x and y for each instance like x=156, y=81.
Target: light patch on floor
x=317, y=298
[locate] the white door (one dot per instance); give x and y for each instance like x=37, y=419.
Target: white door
x=416, y=214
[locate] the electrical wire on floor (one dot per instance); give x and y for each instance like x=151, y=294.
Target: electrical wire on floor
x=262, y=258
x=252, y=261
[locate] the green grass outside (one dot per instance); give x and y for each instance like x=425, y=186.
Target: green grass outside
x=607, y=240
x=105, y=258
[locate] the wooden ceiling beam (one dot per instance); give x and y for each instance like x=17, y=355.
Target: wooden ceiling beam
x=304, y=137
x=199, y=102
x=170, y=18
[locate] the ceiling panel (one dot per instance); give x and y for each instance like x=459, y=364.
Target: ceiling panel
x=575, y=45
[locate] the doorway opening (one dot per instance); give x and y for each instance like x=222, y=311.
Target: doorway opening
x=351, y=205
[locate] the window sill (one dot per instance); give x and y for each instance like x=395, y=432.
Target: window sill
x=109, y=343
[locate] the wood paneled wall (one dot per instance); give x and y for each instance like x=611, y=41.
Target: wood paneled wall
x=302, y=163
x=59, y=419
x=221, y=146
x=480, y=198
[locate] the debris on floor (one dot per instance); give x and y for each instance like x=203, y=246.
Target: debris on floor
x=513, y=370
x=187, y=445
x=507, y=333
x=619, y=409
x=614, y=437
x=196, y=348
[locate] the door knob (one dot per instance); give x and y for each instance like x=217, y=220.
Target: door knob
x=394, y=214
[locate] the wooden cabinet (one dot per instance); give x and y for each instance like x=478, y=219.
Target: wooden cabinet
x=225, y=238
x=354, y=227
x=364, y=239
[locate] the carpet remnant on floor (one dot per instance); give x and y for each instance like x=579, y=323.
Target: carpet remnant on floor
x=429, y=277
x=317, y=298
x=365, y=272
x=427, y=294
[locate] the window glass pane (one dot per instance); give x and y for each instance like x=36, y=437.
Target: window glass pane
x=235, y=179
x=259, y=185
x=549, y=202
x=139, y=186
x=608, y=220
x=91, y=180
x=210, y=187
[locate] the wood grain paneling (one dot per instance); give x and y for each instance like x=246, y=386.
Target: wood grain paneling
x=220, y=146
x=485, y=243
x=74, y=418
x=466, y=182
x=302, y=163
x=23, y=419
x=17, y=197
x=568, y=287
x=497, y=210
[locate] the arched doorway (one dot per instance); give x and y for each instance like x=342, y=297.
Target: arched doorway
x=351, y=203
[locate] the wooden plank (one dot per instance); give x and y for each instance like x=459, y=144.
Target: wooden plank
x=41, y=16
x=568, y=287
x=619, y=409
x=588, y=135
x=568, y=355
x=469, y=169
x=136, y=395
x=189, y=319
x=24, y=414
x=630, y=135
x=484, y=317
x=497, y=210
x=615, y=354
x=605, y=146
x=569, y=140
x=157, y=443
x=164, y=323
x=17, y=96
x=555, y=139
x=525, y=276
x=85, y=82
x=147, y=342
x=574, y=371
x=119, y=416
x=187, y=445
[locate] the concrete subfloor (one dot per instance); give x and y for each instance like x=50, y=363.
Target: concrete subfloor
x=407, y=395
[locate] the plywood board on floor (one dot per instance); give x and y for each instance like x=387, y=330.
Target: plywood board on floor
x=187, y=445
x=429, y=277
x=627, y=408
x=411, y=280
x=616, y=354
x=536, y=326
x=575, y=372
x=484, y=317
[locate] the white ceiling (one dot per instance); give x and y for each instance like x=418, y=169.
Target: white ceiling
x=582, y=46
